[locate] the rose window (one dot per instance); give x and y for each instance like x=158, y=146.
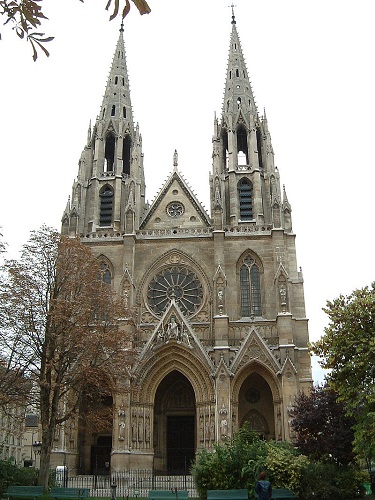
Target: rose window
x=178, y=283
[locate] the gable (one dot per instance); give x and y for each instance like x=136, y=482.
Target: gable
x=175, y=206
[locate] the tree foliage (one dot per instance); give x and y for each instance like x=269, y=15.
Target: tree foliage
x=347, y=349
x=236, y=464
x=323, y=430
x=63, y=328
x=26, y=17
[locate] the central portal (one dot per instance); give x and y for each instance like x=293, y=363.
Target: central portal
x=174, y=425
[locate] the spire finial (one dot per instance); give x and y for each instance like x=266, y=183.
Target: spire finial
x=233, y=18
x=122, y=27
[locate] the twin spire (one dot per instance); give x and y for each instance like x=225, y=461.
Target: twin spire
x=116, y=102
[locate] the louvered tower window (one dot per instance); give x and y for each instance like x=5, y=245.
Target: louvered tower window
x=245, y=193
x=106, y=206
x=250, y=288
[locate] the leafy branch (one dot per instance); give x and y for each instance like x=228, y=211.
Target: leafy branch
x=26, y=16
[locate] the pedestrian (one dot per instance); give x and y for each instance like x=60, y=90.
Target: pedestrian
x=263, y=488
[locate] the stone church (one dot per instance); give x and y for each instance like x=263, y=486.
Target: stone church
x=220, y=333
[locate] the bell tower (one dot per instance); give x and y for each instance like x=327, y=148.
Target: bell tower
x=245, y=185
x=109, y=192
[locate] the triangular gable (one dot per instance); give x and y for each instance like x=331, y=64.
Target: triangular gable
x=175, y=190
x=173, y=328
x=281, y=271
x=288, y=364
x=222, y=369
x=254, y=348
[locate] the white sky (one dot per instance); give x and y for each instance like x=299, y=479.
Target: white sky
x=312, y=68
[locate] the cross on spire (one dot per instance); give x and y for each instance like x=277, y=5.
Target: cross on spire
x=233, y=18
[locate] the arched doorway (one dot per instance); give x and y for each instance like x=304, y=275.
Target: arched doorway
x=174, y=424
x=256, y=406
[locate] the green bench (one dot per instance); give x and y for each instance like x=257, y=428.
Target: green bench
x=282, y=493
x=227, y=495
x=167, y=495
x=24, y=492
x=69, y=493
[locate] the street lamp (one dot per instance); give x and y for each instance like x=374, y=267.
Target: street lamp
x=37, y=448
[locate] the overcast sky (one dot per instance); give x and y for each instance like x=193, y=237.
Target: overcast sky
x=312, y=67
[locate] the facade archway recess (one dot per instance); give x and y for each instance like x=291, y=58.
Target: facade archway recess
x=174, y=424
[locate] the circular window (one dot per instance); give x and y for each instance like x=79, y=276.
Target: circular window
x=253, y=395
x=178, y=283
x=175, y=209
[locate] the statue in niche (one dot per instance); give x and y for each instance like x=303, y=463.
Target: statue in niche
x=224, y=428
x=220, y=301
x=173, y=331
x=283, y=294
x=134, y=428
x=121, y=416
x=147, y=428
x=140, y=427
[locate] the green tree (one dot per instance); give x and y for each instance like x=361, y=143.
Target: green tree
x=347, y=349
x=236, y=464
x=323, y=430
x=26, y=16
x=63, y=328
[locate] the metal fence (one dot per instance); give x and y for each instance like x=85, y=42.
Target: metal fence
x=131, y=483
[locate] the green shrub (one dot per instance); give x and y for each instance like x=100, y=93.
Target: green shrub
x=13, y=474
x=231, y=465
x=284, y=465
x=328, y=480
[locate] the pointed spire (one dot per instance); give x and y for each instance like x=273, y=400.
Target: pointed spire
x=116, y=103
x=89, y=133
x=238, y=93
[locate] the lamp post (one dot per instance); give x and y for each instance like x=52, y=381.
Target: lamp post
x=37, y=448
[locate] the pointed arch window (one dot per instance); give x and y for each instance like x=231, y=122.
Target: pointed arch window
x=242, y=149
x=245, y=193
x=113, y=110
x=126, y=155
x=106, y=206
x=109, y=152
x=225, y=152
x=105, y=273
x=250, y=288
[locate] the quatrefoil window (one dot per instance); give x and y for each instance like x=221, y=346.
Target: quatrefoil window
x=175, y=209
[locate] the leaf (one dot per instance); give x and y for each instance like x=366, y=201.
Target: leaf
x=142, y=6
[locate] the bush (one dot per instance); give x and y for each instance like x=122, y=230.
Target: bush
x=232, y=465
x=328, y=480
x=13, y=474
x=284, y=465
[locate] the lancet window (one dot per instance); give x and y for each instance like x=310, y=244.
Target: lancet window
x=106, y=206
x=250, y=288
x=126, y=148
x=245, y=193
x=109, y=152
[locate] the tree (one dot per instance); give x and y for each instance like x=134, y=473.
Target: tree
x=236, y=464
x=347, y=349
x=26, y=16
x=63, y=328
x=323, y=431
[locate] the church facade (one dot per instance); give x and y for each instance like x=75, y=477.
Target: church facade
x=220, y=333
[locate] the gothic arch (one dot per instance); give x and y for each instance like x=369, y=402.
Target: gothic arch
x=261, y=369
x=249, y=272
x=105, y=268
x=170, y=358
x=106, y=195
